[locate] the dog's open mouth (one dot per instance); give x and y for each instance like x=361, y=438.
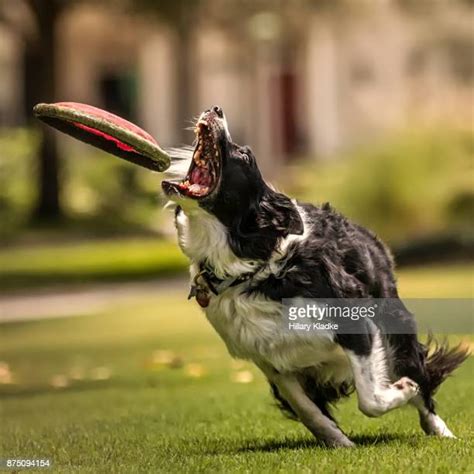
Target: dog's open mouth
x=203, y=174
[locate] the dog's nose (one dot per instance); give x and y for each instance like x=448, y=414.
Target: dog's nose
x=218, y=111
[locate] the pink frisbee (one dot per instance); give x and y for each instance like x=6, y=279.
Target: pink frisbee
x=106, y=131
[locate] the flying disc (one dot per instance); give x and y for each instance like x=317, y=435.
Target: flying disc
x=106, y=131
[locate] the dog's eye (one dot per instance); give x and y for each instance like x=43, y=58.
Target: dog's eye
x=247, y=158
x=246, y=155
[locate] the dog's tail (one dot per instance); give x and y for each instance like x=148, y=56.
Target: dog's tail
x=441, y=360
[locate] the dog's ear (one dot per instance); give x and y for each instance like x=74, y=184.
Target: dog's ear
x=255, y=235
x=277, y=211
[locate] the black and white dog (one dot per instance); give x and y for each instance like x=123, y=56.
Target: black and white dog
x=251, y=246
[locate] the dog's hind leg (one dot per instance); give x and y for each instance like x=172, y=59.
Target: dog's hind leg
x=430, y=422
x=428, y=364
x=375, y=392
x=322, y=427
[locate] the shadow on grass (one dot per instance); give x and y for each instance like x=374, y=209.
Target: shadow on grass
x=298, y=444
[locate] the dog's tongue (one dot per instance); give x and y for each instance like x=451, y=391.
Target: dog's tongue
x=200, y=176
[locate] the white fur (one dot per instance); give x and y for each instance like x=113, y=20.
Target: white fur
x=252, y=326
x=180, y=162
x=436, y=426
x=372, y=380
x=292, y=238
x=202, y=237
x=431, y=423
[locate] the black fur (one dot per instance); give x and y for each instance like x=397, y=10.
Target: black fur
x=255, y=215
x=339, y=259
x=441, y=361
x=322, y=395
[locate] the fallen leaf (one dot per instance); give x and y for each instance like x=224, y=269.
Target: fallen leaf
x=242, y=376
x=59, y=381
x=5, y=373
x=101, y=373
x=77, y=373
x=166, y=358
x=194, y=370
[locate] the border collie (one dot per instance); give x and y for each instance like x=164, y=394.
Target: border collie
x=251, y=246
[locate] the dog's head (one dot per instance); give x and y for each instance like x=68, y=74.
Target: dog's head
x=224, y=180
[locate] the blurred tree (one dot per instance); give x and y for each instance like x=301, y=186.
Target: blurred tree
x=180, y=15
x=40, y=81
x=35, y=21
x=40, y=86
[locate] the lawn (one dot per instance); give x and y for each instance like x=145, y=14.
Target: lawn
x=92, y=261
x=147, y=386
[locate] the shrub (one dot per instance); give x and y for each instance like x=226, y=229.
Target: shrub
x=417, y=184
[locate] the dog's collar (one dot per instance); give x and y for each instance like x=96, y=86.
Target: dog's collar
x=207, y=281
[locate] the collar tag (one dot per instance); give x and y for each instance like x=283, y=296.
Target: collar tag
x=200, y=289
x=206, y=281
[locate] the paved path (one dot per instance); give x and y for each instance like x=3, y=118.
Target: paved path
x=59, y=303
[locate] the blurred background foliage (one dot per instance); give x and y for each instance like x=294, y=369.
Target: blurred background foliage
x=367, y=105
x=105, y=196
x=415, y=184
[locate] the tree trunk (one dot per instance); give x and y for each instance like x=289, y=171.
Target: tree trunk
x=43, y=89
x=185, y=84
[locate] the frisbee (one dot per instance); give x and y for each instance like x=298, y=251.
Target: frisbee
x=106, y=131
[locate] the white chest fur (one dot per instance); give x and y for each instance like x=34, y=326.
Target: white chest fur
x=202, y=237
x=252, y=326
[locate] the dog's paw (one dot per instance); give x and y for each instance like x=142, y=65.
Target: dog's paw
x=339, y=442
x=407, y=387
x=433, y=425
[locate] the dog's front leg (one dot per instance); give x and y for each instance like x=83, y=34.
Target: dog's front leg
x=322, y=427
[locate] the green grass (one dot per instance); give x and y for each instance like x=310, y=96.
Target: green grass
x=437, y=281
x=89, y=261
x=127, y=408
x=133, y=258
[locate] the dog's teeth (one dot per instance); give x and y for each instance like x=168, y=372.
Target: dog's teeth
x=197, y=156
x=195, y=189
